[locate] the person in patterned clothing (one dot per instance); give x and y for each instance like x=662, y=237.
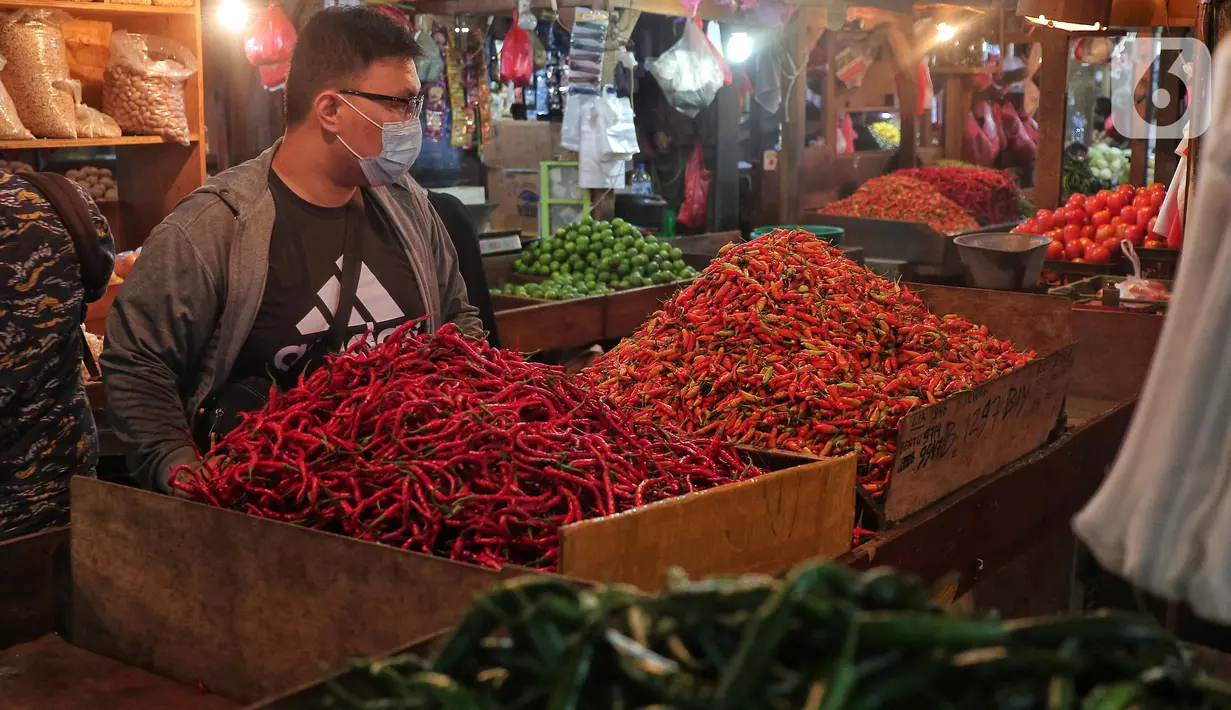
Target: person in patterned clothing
x=47, y=433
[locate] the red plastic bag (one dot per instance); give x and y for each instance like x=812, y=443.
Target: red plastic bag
x=270, y=39
x=1020, y=142
x=696, y=191
x=976, y=147
x=516, y=56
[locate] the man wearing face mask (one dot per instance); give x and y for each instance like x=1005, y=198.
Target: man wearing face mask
x=276, y=262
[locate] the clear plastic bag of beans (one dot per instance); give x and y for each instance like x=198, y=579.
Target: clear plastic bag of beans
x=11, y=127
x=143, y=85
x=36, y=72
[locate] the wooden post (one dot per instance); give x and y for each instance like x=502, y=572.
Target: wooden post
x=724, y=212
x=1053, y=97
x=802, y=34
x=907, y=95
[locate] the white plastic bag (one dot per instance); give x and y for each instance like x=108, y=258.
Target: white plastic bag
x=616, y=122
x=688, y=73
x=143, y=86
x=11, y=127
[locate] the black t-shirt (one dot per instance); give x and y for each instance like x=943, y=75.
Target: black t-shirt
x=304, y=279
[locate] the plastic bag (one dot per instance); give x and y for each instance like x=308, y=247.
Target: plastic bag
x=430, y=66
x=688, y=73
x=36, y=72
x=1136, y=287
x=92, y=123
x=10, y=123
x=516, y=57
x=268, y=45
x=143, y=87
x=696, y=191
x=617, y=122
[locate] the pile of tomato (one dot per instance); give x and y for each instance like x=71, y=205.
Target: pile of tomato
x=1089, y=228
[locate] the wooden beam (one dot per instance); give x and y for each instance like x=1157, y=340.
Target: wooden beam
x=1053, y=100
x=802, y=34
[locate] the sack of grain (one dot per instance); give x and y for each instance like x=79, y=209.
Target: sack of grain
x=143, y=87
x=36, y=71
x=10, y=123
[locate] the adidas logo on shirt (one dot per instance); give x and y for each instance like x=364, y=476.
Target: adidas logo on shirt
x=375, y=310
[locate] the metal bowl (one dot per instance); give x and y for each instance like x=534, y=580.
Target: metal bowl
x=1002, y=261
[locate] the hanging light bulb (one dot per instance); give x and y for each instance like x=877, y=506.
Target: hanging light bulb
x=232, y=15
x=739, y=47
x=945, y=32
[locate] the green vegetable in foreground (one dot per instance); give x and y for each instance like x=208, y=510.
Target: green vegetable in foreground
x=822, y=638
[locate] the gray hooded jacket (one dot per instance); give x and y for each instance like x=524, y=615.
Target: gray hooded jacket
x=183, y=315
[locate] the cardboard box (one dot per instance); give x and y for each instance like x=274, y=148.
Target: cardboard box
x=523, y=144
x=516, y=194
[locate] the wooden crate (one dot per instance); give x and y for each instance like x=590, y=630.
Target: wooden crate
x=251, y=607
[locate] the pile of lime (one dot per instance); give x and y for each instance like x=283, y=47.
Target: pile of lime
x=613, y=254
x=556, y=288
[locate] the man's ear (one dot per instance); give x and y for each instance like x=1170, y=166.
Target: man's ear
x=326, y=107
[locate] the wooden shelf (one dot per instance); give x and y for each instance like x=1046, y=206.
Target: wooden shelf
x=98, y=8
x=959, y=70
x=53, y=143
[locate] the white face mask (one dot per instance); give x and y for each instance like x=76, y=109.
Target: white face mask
x=401, y=142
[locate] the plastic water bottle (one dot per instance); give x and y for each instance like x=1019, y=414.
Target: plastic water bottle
x=641, y=182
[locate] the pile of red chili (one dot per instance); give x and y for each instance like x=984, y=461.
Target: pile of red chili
x=907, y=199
x=784, y=343
x=992, y=196
x=444, y=445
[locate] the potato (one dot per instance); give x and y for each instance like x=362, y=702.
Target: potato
x=72, y=174
x=112, y=195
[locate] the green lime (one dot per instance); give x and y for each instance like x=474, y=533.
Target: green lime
x=624, y=268
x=679, y=265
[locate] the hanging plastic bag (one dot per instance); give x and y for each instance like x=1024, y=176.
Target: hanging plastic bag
x=430, y=66
x=618, y=127
x=516, y=57
x=689, y=74
x=271, y=38
x=1135, y=286
x=924, y=94
x=696, y=191
x=713, y=36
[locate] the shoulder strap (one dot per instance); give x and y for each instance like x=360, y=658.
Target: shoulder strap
x=78, y=220
x=352, y=264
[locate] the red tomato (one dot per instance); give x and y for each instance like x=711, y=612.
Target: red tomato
x=1104, y=233
x=1055, y=251
x=1087, y=243
x=1153, y=244
x=1074, y=250
x=1076, y=216
x=1071, y=233
x=1150, y=225
x=1122, y=231
x=1098, y=254
x=1157, y=187
x=1144, y=215
x=1105, y=194
x=1117, y=221
x=1098, y=203
x=1135, y=235
x=1101, y=218
x=1141, y=200
x=1156, y=199
x=1028, y=227
x=1076, y=200
x=1056, y=234
x=1088, y=231
x=1126, y=190
x=1079, y=260
x=1046, y=220
x=1129, y=214
x=1115, y=203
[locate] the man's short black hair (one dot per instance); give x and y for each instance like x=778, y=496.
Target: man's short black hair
x=336, y=45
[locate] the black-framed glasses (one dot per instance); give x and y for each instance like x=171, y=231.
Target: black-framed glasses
x=411, y=107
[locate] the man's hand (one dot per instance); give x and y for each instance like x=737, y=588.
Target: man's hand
x=187, y=477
